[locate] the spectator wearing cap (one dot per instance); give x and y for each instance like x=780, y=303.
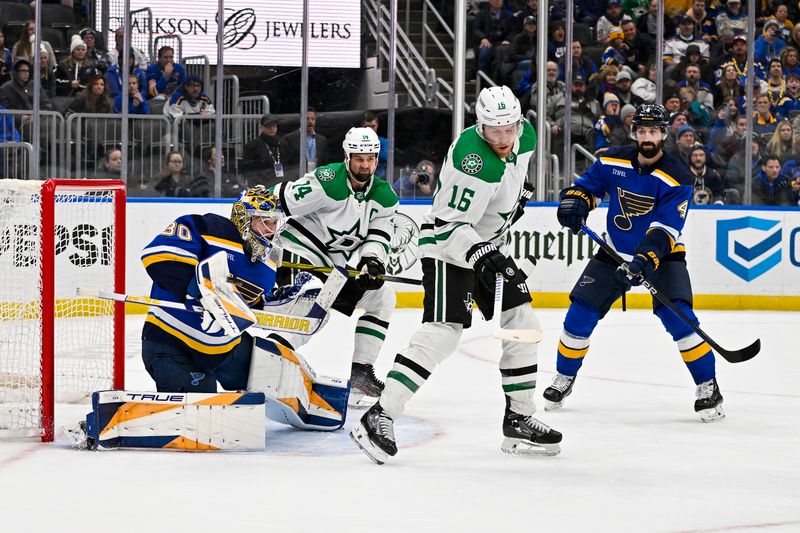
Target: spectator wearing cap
x=676, y=120
x=685, y=140
x=645, y=86
x=769, y=44
x=612, y=19
x=316, y=143
x=73, y=72
x=789, y=106
x=164, y=76
x=672, y=103
x=94, y=54
x=623, y=92
x=609, y=126
x=707, y=185
x=584, y=112
x=693, y=56
x=524, y=44
x=675, y=47
x=190, y=99
x=270, y=150
x=636, y=47
x=790, y=58
x=647, y=23
x=493, y=28
x=614, y=53
x=581, y=64
x=738, y=59
x=764, y=122
x=731, y=21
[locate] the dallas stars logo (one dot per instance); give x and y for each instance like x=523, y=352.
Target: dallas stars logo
x=325, y=174
x=345, y=242
x=468, y=302
x=472, y=164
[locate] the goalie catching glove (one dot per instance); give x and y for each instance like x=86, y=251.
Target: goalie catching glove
x=224, y=306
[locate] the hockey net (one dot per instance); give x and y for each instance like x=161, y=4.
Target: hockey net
x=56, y=236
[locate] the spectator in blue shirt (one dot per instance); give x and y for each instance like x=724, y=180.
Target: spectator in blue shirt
x=164, y=76
x=137, y=105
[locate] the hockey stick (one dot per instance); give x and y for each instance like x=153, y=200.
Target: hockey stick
x=266, y=321
x=516, y=335
x=732, y=356
x=351, y=272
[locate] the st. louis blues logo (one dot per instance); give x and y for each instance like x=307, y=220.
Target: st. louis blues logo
x=197, y=377
x=586, y=280
x=631, y=205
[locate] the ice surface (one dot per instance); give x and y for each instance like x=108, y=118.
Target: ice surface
x=635, y=458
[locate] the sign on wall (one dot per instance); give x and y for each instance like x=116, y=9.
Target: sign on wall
x=263, y=33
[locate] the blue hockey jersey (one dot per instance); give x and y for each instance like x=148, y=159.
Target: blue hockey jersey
x=170, y=260
x=640, y=199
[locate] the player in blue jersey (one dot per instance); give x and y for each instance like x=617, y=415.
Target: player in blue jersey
x=646, y=213
x=185, y=351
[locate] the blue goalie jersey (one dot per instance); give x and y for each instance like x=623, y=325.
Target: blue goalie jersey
x=640, y=199
x=170, y=260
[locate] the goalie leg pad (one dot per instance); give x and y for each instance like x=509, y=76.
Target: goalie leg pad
x=177, y=420
x=295, y=394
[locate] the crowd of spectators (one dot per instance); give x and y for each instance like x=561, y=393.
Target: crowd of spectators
x=704, y=62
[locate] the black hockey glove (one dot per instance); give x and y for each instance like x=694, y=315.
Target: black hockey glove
x=574, y=207
x=639, y=269
x=527, y=195
x=488, y=262
x=370, y=268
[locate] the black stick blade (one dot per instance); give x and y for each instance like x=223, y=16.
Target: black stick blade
x=739, y=356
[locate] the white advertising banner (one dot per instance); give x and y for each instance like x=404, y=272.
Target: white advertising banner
x=262, y=33
x=729, y=252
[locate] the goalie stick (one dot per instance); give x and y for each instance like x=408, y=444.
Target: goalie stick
x=351, y=272
x=517, y=335
x=266, y=321
x=732, y=356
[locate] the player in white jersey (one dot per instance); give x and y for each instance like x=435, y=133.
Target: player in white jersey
x=340, y=213
x=463, y=241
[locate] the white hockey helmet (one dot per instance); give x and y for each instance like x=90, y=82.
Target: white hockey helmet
x=497, y=106
x=360, y=141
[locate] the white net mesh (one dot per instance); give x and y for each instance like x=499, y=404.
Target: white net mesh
x=84, y=327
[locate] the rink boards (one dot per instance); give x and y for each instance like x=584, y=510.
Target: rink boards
x=738, y=258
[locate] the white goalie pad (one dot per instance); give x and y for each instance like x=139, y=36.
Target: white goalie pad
x=295, y=394
x=173, y=420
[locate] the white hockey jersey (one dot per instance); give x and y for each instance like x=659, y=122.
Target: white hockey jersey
x=329, y=222
x=477, y=194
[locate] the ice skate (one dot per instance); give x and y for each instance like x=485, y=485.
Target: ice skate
x=525, y=435
x=709, y=401
x=365, y=388
x=78, y=436
x=375, y=435
x=560, y=388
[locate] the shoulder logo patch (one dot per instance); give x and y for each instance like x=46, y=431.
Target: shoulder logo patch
x=325, y=174
x=472, y=164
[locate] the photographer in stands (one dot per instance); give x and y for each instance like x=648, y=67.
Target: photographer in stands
x=417, y=183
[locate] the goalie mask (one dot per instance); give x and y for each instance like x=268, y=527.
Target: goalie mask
x=497, y=108
x=258, y=216
x=361, y=141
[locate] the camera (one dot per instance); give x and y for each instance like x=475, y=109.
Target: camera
x=423, y=178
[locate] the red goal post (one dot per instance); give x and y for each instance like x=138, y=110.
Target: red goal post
x=55, y=236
